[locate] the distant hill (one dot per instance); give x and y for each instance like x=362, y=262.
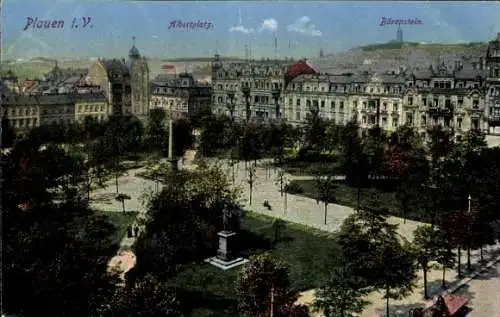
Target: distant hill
x=392, y=56
x=201, y=59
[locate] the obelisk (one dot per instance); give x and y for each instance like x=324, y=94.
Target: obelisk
x=173, y=161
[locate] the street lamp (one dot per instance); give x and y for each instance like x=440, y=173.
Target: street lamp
x=469, y=265
x=231, y=104
x=276, y=96
x=246, y=92
x=285, y=209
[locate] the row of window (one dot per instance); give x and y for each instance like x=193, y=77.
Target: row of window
x=24, y=123
x=254, y=85
x=91, y=108
x=27, y=111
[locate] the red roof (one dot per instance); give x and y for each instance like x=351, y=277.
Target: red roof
x=167, y=66
x=298, y=69
x=454, y=303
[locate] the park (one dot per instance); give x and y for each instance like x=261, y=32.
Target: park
x=334, y=220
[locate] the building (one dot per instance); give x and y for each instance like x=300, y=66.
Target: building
x=91, y=103
x=249, y=89
x=493, y=85
x=125, y=83
x=180, y=95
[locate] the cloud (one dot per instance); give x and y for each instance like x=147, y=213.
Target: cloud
x=302, y=25
x=154, y=36
x=241, y=29
x=270, y=25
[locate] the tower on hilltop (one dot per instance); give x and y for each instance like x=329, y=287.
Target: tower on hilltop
x=399, y=35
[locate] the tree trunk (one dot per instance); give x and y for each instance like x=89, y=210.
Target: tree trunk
x=123, y=205
x=89, y=185
x=286, y=203
x=116, y=182
x=469, y=265
x=481, y=253
x=459, y=269
x=443, y=281
x=387, y=302
x=358, y=204
x=326, y=211
x=250, y=200
x=424, y=269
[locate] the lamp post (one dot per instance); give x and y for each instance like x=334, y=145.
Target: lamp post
x=276, y=96
x=231, y=104
x=246, y=93
x=285, y=209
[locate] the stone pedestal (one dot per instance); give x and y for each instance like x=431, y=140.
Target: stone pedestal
x=226, y=257
x=227, y=245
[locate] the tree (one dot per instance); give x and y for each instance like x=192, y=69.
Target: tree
x=341, y=296
x=326, y=190
x=426, y=247
x=121, y=198
x=397, y=272
x=183, y=137
x=54, y=258
x=458, y=225
x=8, y=135
x=263, y=287
x=445, y=256
x=155, y=134
x=251, y=181
x=148, y=297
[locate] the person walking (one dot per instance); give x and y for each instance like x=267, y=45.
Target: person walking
x=136, y=231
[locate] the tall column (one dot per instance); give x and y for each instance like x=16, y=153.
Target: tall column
x=173, y=161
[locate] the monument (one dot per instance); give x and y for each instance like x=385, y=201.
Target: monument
x=227, y=256
x=174, y=165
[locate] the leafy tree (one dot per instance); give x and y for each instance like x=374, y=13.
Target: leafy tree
x=217, y=134
x=326, y=190
x=341, y=296
x=250, y=143
x=458, y=225
x=397, y=274
x=314, y=133
x=445, y=256
x=8, y=135
x=263, y=287
x=427, y=247
x=183, y=137
x=156, y=133
x=148, y=297
x=54, y=263
x=373, y=148
x=121, y=198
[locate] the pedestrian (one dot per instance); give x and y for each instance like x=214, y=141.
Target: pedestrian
x=136, y=231
x=129, y=232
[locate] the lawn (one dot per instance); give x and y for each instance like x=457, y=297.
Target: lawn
x=121, y=221
x=309, y=253
x=348, y=196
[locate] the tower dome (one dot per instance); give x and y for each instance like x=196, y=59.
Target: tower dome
x=134, y=52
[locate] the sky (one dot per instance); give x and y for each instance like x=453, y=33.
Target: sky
x=299, y=29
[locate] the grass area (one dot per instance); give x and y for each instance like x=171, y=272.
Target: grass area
x=348, y=196
x=302, y=168
x=309, y=253
x=121, y=221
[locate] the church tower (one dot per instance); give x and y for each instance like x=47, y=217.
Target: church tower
x=139, y=82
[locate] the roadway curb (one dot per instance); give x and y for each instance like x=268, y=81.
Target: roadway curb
x=467, y=279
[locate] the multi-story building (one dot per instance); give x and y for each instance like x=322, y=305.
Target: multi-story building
x=22, y=111
x=249, y=89
x=180, y=95
x=493, y=85
x=125, y=82
x=91, y=104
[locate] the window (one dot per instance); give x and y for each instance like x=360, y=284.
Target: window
x=475, y=124
x=424, y=101
x=290, y=101
x=364, y=120
x=395, y=107
x=436, y=101
x=297, y=115
x=475, y=104
x=448, y=85
x=410, y=101
x=332, y=104
x=297, y=102
x=384, y=121
x=409, y=118
x=423, y=120
x=384, y=106
x=372, y=119
x=355, y=103
x=394, y=122
x=447, y=102
x=460, y=101
x=341, y=106
x=322, y=103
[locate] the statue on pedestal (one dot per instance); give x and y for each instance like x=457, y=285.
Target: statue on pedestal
x=231, y=214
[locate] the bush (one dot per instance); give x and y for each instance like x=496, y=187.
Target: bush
x=294, y=188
